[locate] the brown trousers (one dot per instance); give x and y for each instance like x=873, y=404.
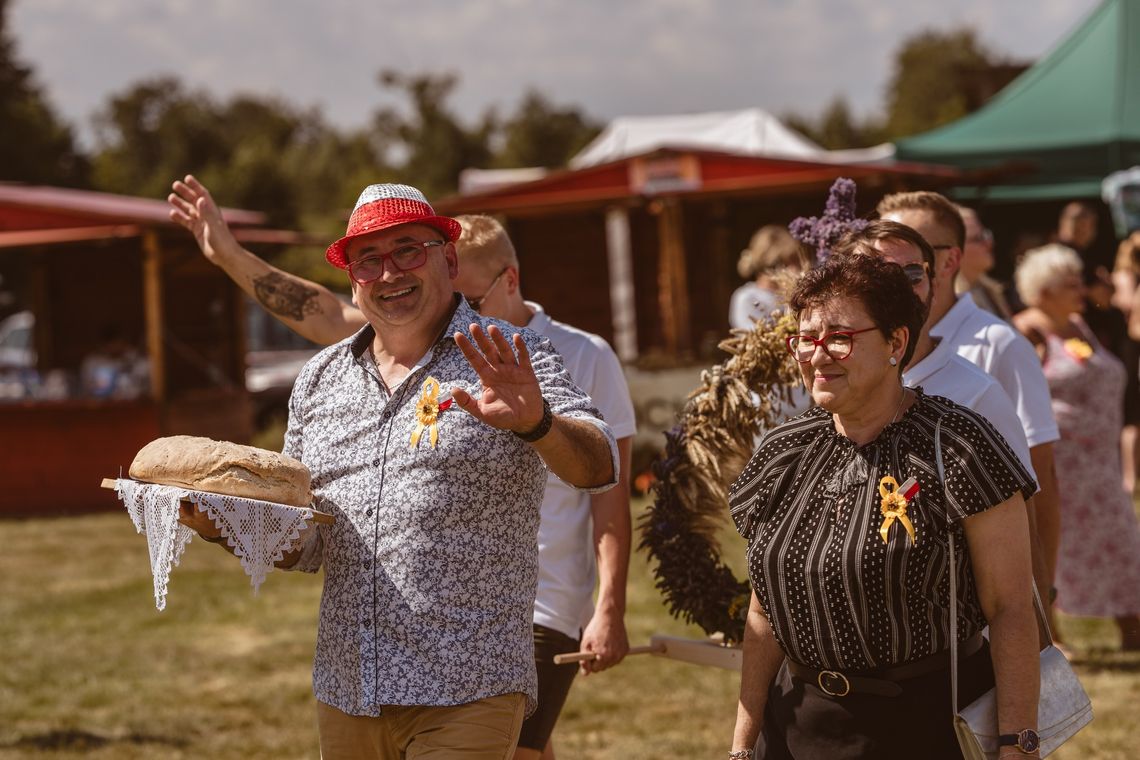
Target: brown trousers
x=487, y=729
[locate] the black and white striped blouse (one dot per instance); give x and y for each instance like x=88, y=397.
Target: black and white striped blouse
x=808, y=503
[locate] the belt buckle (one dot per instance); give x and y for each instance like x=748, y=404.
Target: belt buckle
x=832, y=674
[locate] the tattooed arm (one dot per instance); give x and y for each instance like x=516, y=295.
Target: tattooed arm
x=305, y=307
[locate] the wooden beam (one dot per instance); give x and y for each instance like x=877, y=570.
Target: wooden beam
x=672, y=279
x=154, y=317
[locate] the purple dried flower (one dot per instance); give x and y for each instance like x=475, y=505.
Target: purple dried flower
x=838, y=218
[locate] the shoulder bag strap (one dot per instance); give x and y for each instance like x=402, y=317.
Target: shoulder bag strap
x=1040, y=609
x=953, y=573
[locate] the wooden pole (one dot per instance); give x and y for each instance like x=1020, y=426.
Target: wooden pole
x=673, y=286
x=569, y=657
x=708, y=652
x=153, y=315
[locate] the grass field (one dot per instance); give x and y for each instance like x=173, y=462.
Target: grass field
x=91, y=669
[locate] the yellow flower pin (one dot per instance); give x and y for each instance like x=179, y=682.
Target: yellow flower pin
x=428, y=407
x=1078, y=349
x=896, y=498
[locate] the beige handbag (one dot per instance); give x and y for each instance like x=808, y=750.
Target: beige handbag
x=1063, y=707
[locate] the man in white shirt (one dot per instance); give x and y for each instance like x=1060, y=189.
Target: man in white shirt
x=992, y=345
x=936, y=367
x=582, y=537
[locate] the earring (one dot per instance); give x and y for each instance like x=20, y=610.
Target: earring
x=892, y=361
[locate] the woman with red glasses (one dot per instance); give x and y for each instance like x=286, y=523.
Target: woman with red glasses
x=846, y=648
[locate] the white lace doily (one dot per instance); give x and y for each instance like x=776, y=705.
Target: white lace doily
x=260, y=532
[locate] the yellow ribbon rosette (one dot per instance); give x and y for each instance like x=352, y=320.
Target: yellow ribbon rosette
x=1078, y=349
x=428, y=407
x=894, y=506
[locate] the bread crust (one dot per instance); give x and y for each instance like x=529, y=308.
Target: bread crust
x=203, y=464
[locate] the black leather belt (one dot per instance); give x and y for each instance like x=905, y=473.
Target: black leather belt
x=883, y=682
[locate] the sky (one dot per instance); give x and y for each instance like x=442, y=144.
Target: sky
x=608, y=57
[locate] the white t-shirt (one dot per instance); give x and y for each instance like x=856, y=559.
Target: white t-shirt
x=749, y=303
x=944, y=373
x=567, y=568
x=1003, y=352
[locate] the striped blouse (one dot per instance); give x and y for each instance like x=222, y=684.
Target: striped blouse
x=808, y=502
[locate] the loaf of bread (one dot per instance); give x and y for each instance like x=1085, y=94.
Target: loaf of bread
x=203, y=464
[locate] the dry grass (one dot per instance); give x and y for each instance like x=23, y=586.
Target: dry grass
x=92, y=670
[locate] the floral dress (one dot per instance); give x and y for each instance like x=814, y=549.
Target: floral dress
x=1098, y=564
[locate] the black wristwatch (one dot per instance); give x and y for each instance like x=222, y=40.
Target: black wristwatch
x=543, y=425
x=1026, y=741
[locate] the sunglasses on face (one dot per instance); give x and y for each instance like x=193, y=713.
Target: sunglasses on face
x=477, y=303
x=916, y=273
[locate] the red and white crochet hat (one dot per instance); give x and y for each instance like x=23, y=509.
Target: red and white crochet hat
x=382, y=206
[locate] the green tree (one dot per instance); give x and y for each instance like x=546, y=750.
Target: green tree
x=435, y=146
x=542, y=134
x=35, y=146
x=255, y=153
x=940, y=77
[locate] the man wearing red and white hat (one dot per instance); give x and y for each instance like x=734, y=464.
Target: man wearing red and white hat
x=431, y=448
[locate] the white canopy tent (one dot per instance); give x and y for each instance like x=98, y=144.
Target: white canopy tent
x=750, y=132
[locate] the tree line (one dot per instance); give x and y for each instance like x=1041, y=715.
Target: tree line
x=265, y=154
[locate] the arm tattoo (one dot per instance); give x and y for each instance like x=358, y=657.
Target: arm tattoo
x=286, y=296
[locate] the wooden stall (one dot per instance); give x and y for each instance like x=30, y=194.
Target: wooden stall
x=643, y=250
x=110, y=275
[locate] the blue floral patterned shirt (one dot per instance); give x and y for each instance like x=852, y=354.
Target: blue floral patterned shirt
x=431, y=566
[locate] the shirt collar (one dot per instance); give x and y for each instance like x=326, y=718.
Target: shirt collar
x=934, y=361
x=954, y=318
x=540, y=320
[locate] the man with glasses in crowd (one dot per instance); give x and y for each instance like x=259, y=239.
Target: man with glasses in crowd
x=581, y=536
x=997, y=348
x=935, y=366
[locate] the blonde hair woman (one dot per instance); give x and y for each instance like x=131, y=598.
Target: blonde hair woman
x=1098, y=563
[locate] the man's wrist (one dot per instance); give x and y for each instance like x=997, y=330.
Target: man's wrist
x=741, y=754
x=543, y=427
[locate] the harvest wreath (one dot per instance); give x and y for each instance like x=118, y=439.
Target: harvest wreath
x=704, y=452
x=712, y=442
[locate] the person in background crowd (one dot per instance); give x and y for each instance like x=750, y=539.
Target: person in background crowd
x=582, y=537
x=992, y=345
x=840, y=662
x=1126, y=273
x=772, y=256
x=1098, y=565
x=115, y=369
x=1126, y=297
x=1077, y=228
x=977, y=261
x=1110, y=326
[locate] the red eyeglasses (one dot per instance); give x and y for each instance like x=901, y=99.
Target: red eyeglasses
x=836, y=344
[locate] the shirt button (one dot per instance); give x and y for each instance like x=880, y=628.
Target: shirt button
x=368, y=512
x=375, y=462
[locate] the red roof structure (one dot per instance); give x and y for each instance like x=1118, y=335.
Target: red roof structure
x=94, y=270
x=642, y=250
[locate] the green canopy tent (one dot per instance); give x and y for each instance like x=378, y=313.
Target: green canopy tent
x=1066, y=123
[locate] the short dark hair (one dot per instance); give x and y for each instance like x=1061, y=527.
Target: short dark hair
x=944, y=211
x=880, y=285
x=863, y=241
